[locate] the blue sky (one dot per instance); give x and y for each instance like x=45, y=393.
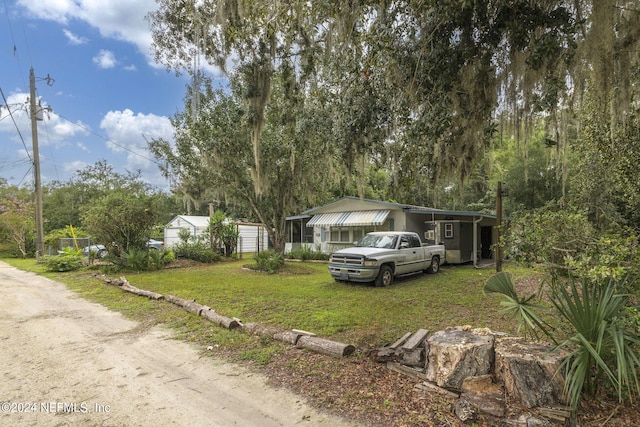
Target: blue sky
x=108, y=96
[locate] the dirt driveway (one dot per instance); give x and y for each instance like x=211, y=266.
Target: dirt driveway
x=66, y=361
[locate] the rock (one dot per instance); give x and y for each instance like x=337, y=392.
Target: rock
x=455, y=355
x=464, y=410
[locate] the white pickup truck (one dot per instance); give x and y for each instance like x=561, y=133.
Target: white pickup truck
x=380, y=256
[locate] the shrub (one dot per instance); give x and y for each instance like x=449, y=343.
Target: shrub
x=601, y=333
x=197, y=251
x=69, y=260
x=566, y=244
x=603, y=345
x=160, y=258
x=306, y=253
x=135, y=259
x=269, y=261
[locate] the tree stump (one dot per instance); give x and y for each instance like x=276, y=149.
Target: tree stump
x=454, y=355
x=530, y=372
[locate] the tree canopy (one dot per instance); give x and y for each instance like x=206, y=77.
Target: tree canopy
x=416, y=92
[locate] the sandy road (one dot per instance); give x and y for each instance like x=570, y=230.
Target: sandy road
x=66, y=361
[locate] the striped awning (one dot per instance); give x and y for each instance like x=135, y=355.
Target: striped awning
x=349, y=219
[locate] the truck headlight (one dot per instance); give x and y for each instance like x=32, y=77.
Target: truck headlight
x=369, y=262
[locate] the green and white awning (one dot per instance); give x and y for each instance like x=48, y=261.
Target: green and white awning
x=349, y=219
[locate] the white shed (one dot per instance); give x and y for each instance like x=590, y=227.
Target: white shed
x=195, y=224
x=253, y=237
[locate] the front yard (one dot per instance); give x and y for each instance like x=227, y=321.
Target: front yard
x=304, y=296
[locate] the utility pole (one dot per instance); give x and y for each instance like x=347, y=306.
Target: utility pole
x=35, y=112
x=36, y=166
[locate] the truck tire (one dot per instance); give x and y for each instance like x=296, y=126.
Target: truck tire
x=435, y=265
x=385, y=276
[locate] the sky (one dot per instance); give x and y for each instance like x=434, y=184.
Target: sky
x=107, y=96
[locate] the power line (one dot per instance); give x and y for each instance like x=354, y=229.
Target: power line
x=108, y=140
x=4, y=98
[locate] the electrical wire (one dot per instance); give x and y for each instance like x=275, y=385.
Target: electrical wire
x=4, y=99
x=108, y=140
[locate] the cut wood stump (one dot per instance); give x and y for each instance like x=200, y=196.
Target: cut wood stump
x=455, y=354
x=530, y=372
x=324, y=346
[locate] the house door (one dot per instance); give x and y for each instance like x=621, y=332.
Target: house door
x=486, y=241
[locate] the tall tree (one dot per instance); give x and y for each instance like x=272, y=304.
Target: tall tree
x=64, y=201
x=425, y=75
x=17, y=219
x=214, y=149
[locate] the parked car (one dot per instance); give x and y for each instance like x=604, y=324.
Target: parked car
x=155, y=244
x=380, y=256
x=98, y=251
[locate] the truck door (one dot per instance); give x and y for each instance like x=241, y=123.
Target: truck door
x=410, y=256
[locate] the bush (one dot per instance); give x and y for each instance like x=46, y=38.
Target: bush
x=160, y=258
x=599, y=327
x=568, y=245
x=269, y=261
x=197, y=251
x=135, y=260
x=69, y=260
x=306, y=253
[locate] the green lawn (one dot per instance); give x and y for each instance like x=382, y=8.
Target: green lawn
x=304, y=297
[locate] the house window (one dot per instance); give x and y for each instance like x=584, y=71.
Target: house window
x=448, y=231
x=339, y=234
x=357, y=234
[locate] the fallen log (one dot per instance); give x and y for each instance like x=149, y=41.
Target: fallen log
x=126, y=286
x=290, y=337
x=261, y=330
x=151, y=295
x=324, y=346
x=193, y=307
x=218, y=319
x=177, y=300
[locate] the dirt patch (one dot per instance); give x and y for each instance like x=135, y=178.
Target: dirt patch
x=70, y=362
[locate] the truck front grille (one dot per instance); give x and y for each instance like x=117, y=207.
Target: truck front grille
x=347, y=259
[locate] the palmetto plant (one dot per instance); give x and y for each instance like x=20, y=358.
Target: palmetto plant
x=522, y=309
x=603, y=346
x=602, y=339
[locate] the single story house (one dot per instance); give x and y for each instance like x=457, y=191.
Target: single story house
x=467, y=236
x=252, y=238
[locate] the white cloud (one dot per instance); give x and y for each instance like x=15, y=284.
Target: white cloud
x=129, y=133
x=72, y=167
x=53, y=129
x=74, y=39
x=118, y=19
x=122, y=20
x=105, y=59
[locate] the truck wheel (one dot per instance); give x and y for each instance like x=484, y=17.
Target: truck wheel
x=435, y=265
x=385, y=277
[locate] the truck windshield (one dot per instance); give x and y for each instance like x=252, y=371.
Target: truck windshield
x=378, y=241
